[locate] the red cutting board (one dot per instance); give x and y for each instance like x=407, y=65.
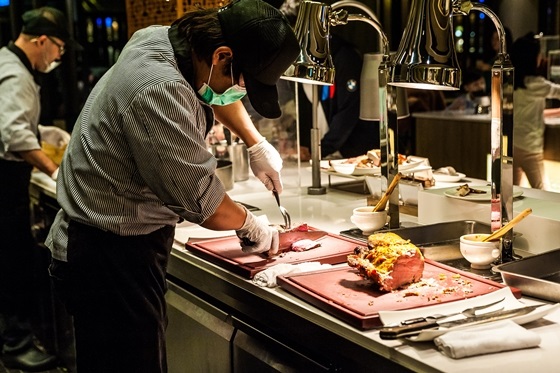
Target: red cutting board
x=226, y=253
x=349, y=297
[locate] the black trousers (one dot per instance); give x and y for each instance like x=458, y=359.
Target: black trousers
x=19, y=256
x=114, y=288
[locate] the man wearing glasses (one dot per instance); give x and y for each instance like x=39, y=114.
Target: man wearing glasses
x=38, y=48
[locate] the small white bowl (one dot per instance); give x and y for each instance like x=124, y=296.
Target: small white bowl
x=342, y=167
x=479, y=254
x=367, y=220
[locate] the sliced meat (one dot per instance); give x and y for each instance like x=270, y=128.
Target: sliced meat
x=304, y=245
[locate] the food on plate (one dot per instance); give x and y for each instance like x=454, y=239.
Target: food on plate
x=388, y=260
x=465, y=190
x=371, y=159
x=304, y=245
x=446, y=171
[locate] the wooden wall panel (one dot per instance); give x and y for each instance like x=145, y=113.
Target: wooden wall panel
x=143, y=13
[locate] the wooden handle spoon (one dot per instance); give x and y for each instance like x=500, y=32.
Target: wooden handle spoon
x=506, y=228
x=383, y=201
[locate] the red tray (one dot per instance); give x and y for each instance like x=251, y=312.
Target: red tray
x=349, y=297
x=226, y=252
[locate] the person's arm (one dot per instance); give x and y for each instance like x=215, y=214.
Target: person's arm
x=255, y=234
x=37, y=158
x=236, y=118
x=228, y=216
x=264, y=159
x=549, y=113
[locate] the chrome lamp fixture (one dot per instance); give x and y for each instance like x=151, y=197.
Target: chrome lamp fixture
x=314, y=66
x=426, y=59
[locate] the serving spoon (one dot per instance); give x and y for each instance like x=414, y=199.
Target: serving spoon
x=506, y=228
x=383, y=201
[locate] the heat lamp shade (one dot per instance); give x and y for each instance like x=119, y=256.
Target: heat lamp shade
x=314, y=64
x=426, y=58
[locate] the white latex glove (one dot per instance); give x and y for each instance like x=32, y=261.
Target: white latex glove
x=257, y=236
x=266, y=164
x=54, y=136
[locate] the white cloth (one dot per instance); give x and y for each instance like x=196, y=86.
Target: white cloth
x=54, y=136
x=489, y=338
x=267, y=278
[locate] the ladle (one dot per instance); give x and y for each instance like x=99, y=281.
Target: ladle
x=506, y=228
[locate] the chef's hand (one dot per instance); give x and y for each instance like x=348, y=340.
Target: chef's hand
x=256, y=236
x=266, y=164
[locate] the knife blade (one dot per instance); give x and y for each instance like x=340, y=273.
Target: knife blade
x=417, y=328
x=288, y=238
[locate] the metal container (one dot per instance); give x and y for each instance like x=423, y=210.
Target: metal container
x=537, y=276
x=224, y=172
x=239, y=157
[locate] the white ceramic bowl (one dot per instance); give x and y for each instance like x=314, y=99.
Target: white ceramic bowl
x=343, y=168
x=367, y=220
x=479, y=254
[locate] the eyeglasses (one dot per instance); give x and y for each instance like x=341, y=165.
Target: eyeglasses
x=61, y=48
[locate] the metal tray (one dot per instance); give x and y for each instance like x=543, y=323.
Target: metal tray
x=537, y=276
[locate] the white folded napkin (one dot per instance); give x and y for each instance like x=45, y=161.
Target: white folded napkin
x=489, y=338
x=267, y=277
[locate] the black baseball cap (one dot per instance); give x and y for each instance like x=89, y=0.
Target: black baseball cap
x=264, y=46
x=47, y=21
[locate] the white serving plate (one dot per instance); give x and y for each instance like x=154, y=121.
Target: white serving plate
x=446, y=178
x=451, y=193
x=341, y=167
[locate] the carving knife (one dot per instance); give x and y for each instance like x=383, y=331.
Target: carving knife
x=417, y=328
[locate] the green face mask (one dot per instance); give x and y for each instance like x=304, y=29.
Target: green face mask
x=230, y=95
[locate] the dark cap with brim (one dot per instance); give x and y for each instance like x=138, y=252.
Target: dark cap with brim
x=264, y=46
x=47, y=21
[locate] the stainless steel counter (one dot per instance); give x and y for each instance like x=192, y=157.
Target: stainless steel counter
x=240, y=310
x=328, y=340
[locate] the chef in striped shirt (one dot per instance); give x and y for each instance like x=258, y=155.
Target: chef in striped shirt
x=137, y=164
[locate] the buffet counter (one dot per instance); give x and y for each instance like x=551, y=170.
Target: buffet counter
x=272, y=330
x=220, y=321
x=453, y=138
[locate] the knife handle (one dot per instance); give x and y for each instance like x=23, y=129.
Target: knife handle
x=398, y=331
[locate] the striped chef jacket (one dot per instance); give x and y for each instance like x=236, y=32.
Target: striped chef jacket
x=137, y=159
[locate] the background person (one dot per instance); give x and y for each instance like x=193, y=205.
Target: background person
x=137, y=164
x=473, y=88
x=529, y=99
x=38, y=48
x=485, y=62
x=344, y=134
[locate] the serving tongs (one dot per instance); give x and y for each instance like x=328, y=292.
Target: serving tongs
x=283, y=211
